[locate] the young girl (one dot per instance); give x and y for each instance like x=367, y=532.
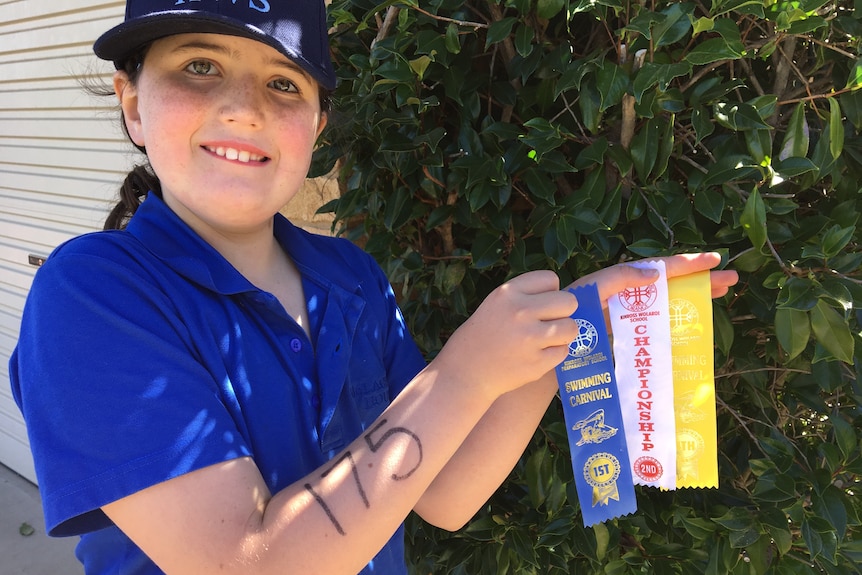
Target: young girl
x=212, y=390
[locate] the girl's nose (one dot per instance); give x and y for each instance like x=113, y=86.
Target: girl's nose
x=243, y=103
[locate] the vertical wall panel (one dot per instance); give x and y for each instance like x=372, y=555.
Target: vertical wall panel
x=61, y=158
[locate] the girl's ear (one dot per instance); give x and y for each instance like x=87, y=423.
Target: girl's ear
x=127, y=94
x=324, y=118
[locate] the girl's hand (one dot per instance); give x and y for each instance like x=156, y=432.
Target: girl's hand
x=520, y=332
x=523, y=328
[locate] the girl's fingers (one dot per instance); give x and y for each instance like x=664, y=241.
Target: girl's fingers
x=684, y=264
x=721, y=281
x=617, y=278
x=537, y=294
x=534, y=282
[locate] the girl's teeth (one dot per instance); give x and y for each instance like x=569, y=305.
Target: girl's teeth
x=233, y=154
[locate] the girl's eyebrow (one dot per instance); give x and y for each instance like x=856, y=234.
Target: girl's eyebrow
x=193, y=45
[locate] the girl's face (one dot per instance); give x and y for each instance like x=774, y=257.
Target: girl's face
x=229, y=125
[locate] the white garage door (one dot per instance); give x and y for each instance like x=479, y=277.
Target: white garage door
x=61, y=158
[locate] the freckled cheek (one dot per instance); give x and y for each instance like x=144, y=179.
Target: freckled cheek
x=176, y=108
x=299, y=134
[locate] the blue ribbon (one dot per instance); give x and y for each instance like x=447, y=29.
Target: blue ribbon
x=591, y=409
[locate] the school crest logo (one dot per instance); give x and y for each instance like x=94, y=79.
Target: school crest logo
x=586, y=340
x=638, y=298
x=684, y=317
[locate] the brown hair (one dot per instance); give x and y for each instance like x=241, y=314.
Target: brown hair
x=141, y=179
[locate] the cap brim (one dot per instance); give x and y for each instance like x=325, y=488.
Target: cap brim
x=121, y=41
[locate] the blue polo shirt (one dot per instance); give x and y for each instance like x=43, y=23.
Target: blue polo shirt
x=145, y=355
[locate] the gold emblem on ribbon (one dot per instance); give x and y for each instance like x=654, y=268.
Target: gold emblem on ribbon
x=593, y=429
x=690, y=445
x=602, y=471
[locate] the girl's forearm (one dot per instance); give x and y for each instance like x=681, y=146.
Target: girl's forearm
x=223, y=519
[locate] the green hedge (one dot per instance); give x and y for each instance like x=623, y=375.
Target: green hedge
x=479, y=139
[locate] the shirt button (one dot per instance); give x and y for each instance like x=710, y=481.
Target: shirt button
x=296, y=345
x=315, y=402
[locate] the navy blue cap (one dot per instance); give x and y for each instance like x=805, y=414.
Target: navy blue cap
x=296, y=28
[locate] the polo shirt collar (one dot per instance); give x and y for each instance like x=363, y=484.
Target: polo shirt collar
x=171, y=240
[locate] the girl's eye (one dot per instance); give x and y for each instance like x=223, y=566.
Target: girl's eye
x=202, y=68
x=284, y=85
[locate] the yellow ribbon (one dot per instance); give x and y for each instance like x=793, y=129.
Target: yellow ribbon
x=690, y=310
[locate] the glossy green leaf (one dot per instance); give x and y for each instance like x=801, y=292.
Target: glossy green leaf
x=419, y=65
x=835, y=239
x=836, y=128
x=793, y=330
x=854, y=79
x=674, y=26
x=796, y=138
x=646, y=248
x=698, y=527
x=793, y=167
x=499, y=31
x=775, y=523
x=602, y=540
x=616, y=567
x=713, y=50
x=652, y=74
x=723, y=329
x=397, y=210
x=845, y=436
x=589, y=103
x=487, y=250
x=832, y=332
x=765, y=105
x=703, y=24
x=538, y=471
x=809, y=24
x=453, y=276
x=739, y=116
x=524, y=36
x=744, y=538
x=453, y=41
x=709, y=203
x=701, y=122
x=735, y=519
x=644, y=148
x=612, y=83
x=549, y=8
x=753, y=219
x=759, y=143
x=821, y=538
x=592, y=154
x=666, y=145
x=799, y=294
x=635, y=207
x=644, y=22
